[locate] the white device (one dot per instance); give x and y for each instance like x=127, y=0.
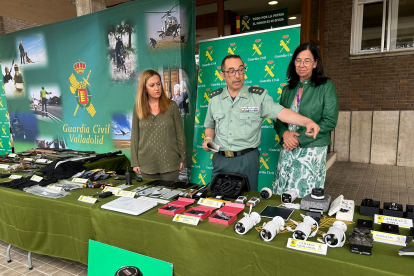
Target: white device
x=131, y=206
x=343, y=208
x=253, y=201
x=270, y=229
x=266, y=193
x=336, y=235
x=290, y=196
x=241, y=199
x=303, y=230
x=248, y=222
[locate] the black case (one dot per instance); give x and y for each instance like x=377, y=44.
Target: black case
x=220, y=184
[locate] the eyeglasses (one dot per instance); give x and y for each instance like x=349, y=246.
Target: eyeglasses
x=233, y=72
x=307, y=62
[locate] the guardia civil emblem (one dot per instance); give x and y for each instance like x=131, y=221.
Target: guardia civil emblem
x=80, y=89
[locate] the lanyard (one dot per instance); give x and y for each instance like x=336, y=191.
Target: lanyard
x=297, y=99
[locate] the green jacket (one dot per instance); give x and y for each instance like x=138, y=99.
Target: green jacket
x=317, y=103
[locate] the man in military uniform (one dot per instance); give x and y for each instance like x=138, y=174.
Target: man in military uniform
x=43, y=94
x=22, y=54
x=234, y=119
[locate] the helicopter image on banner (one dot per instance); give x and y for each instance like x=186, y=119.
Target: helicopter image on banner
x=169, y=24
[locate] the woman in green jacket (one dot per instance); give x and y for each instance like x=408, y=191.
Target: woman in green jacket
x=302, y=161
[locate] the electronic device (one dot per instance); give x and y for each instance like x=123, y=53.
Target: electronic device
x=343, y=208
x=201, y=193
x=410, y=211
x=336, y=236
x=270, y=229
x=160, y=192
x=105, y=194
x=129, y=205
x=406, y=251
x=369, y=207
x=365, y=224
x=148, y=191
x=393, y=209
x=248, y=222
x=303, y=230
x=266, y=193
x=390, y=228
x=253, y=201
x=241, y=199
x=318, y=193
x=361, y=241
x=290, y=196
x=138, y=178
x=139, y=189
x=315, y=215
x=127, y=177
x=317, y=201
x=171, y=194
x=273, y=211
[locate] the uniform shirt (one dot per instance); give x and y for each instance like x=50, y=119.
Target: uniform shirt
x=237, y=123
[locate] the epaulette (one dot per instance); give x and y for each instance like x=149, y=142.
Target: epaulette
x=256, y=90
x=215, y=92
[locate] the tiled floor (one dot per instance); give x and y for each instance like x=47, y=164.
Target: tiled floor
x=353, y=180
x=42, y=265
x=357, y=181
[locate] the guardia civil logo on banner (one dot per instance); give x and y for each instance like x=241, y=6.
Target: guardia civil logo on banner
x=81, y=90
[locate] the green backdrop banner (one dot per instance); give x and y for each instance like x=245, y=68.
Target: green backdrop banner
x=84, y=72
x=266, y=55
x=5, y=143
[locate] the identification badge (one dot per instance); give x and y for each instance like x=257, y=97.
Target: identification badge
x=125, y=193
x=114, y=190
x=12, y=155
x=28, y=159
x=54, y=188
x=389, y=238
x=307, y=246
x=87, y=199
x=15, y=176
x=401, y=222
x=186, y=219
x=36, y=178
x=211, y=203
x=80, y=180
x=4, y=166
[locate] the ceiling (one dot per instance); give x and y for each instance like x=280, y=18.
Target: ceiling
x=49, y=11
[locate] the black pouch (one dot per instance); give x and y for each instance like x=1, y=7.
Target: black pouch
x=229, y=184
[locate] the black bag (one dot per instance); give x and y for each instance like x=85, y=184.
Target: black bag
x=229, y=184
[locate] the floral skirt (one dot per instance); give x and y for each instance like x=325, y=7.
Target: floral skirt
x=302, y=169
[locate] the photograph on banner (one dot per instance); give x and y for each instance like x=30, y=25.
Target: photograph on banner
x=31, y=50
x=166, y=27
x=122, y=53
x=50, y=141
x=23, y=126
x=121, y=126
x=13, y=79
x=178, y=85
x=46, y=102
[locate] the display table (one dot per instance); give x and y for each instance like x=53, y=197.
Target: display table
x=63, y=227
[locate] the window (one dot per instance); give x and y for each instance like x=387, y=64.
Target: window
x=382, y=26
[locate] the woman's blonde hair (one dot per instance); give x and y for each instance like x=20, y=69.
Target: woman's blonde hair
x=142, y=106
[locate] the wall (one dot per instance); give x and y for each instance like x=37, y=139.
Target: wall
x=382, y=83
x=9, y=25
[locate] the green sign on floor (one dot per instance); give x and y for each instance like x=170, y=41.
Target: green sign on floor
x=104, y=259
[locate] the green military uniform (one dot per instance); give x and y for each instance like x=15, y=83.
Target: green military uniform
x=237, y=124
